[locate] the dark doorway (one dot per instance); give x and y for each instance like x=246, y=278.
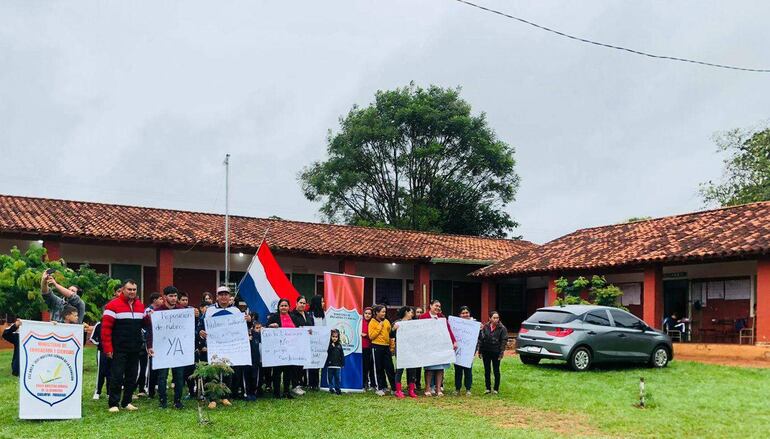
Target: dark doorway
x=466, y=294
x=675, y=293
x=510, y=305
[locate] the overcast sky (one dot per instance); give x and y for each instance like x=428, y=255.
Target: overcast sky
x=137, y=102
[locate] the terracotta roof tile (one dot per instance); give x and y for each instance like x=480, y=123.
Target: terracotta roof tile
x=108, y=222
x=732, y=232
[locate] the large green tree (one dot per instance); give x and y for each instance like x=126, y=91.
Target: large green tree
x=746, y=176
x=416, y=159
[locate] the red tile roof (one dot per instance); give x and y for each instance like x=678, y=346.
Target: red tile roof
x=77, y=220
x=726, y=233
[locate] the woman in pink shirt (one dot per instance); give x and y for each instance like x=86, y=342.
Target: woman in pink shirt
x=282, y=319
x=368, y=354
x=437, y=370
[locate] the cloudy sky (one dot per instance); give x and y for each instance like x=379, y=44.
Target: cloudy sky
x=137, y=102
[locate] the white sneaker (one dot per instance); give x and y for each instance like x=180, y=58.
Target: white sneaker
x=298, y=391
x=113, y=410
x=379, y=393
x=468, y=393
x=131, y=407
x=494, y=392
x=96, y=396
x=487, y=392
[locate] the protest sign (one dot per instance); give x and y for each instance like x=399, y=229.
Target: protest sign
x=173, y=338
x=285, y=347
x=319, y=347
x=227, y=338
x=423, y=342
x=51, y=370
x=466, y=334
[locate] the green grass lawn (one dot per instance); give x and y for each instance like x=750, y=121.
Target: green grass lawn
x=690, y=400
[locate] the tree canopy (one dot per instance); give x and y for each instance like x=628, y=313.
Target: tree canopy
x=416, y=159
x=746, y=175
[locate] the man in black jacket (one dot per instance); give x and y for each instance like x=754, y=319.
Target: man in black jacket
x=11, y=335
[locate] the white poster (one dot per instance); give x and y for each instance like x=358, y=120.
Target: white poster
x=319, y=346
x=423, y=342
x=227, y=337
x=285, y=347
x=173, y=338
x=466, y=334
x=51, y=370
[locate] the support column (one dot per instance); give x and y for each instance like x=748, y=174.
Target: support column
x=347, y=266
x=164, y=263
x=488, y=298
x=762, y=315
x=53, y=249
x=551, y=295
x=421, y=295
x=652, y=303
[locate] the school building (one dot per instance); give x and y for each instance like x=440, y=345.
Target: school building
x=712, y=266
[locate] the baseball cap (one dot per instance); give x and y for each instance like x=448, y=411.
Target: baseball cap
x=223, y=289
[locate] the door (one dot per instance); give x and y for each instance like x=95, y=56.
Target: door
x=510, y=305
x=441, y=290
x=304, y=283
x=465, y=294
x=675, y=293
x=599, y=333
x=631, y=342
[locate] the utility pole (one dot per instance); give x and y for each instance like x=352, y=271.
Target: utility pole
x=227, y=219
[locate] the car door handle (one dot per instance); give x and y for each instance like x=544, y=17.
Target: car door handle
x=622, y=335
x=591, y=333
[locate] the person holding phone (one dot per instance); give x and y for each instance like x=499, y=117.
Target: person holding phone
x=55, y=304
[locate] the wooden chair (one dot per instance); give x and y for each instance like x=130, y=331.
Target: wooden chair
x=747, y=333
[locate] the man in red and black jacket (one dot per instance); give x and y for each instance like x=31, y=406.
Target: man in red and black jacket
x=122, y=341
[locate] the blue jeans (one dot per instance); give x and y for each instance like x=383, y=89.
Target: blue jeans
x=177, y=377
x=334, y=376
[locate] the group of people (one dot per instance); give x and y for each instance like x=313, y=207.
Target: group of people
x=379, y=345
x=124, y=340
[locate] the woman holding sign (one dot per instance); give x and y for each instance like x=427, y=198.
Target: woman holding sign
x=492, y=341
x=437, y=370
x=404, y=313
x=282, y=319
x=464, y=373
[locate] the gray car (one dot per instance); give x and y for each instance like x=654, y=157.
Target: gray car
x=584, y=334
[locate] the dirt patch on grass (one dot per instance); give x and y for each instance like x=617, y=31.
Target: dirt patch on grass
x=505, y=415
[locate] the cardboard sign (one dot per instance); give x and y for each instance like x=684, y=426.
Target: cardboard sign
x=173, y=338
x=51, y=370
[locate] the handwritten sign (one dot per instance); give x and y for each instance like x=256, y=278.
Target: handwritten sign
x=51, y=379
x=423, y=342
x=173, y=338
x=466, y=334
x=227, y=338
x=285, y=347
x=319, y=347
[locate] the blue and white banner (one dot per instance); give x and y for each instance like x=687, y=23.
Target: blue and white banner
x=51, y=370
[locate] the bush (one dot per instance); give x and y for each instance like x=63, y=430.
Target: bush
x=20, y=283
x=599, y=292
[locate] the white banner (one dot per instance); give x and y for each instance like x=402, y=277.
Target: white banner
x=466, y=334
x=423, y=342
x=227, y=337
x=173, y=338
x=319, y=347
x=51, y=370
x=285, y=347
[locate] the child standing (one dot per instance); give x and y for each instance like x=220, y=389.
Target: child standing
x=335, y=361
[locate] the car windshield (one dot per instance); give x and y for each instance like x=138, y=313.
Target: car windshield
x=551, y=317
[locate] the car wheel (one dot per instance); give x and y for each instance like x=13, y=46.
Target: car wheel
x=528, y=359
x=580, y=360
x=659, y=357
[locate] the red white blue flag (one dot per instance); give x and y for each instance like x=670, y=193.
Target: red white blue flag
x=265, y=284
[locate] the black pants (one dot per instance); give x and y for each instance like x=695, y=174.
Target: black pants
x=369, y=379
x=282, y=371
x=240, y=381
x=141, y=381
x=298, y=378
x=491, y=359
x=188, y=371
x=411, y=375
x=152, y=380
x=177, y=377
x=418, y=381
x=266, y=377
x=123, y=377
x=466, y=373
x=254, y=381
x=312, y=378
x=383, y=365
x=103, y=363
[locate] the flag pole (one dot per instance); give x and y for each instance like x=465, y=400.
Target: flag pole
x=227, y=219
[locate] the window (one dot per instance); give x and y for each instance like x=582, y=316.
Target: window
x=551, y=317
x=625, y=320
x=389, y=292
x=632, y=294
x=598, y=317
x=722, y=289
